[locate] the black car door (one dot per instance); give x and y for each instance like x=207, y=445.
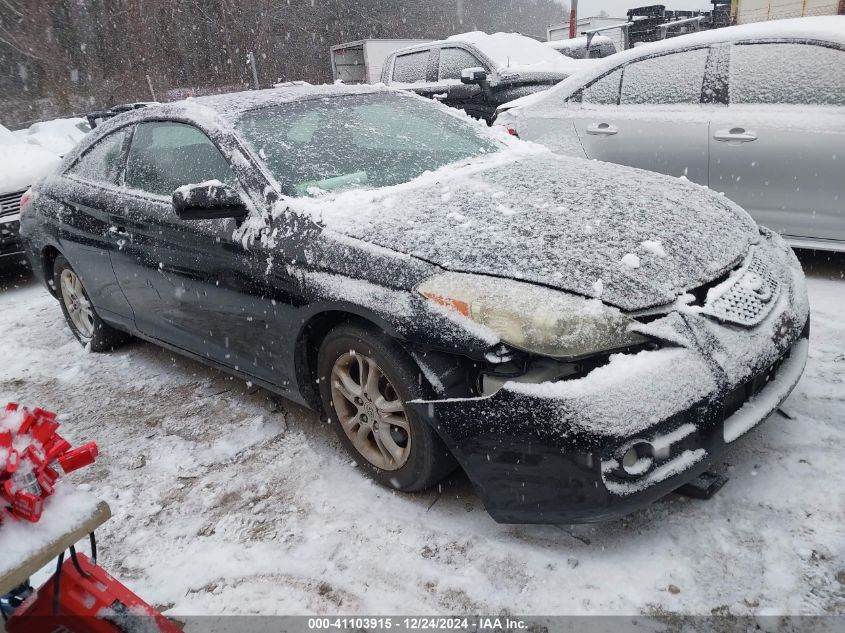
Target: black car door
x=189, y=282
x=88, y=195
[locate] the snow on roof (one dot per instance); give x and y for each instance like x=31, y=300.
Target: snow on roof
x=231, y=105
x=514, y=51
x=823, y=28
x=578, y=42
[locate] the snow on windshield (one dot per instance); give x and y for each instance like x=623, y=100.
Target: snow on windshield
x=320, y=145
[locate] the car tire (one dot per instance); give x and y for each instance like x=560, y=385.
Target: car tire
x=379, y=423
x=87, y=326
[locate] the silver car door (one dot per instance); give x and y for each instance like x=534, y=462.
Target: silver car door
x=659, y=124
x=778, y=149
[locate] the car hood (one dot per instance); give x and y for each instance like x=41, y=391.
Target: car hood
x=631, y=237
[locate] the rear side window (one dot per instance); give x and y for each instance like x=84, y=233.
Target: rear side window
x=164, y=156
x=673, y=78
x=604, y=91
x=102, y=163
x=787, y=73
x=410, y=68
x=455, y=60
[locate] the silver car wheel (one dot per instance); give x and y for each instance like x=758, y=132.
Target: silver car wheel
x=78, y=307
x=370, y=411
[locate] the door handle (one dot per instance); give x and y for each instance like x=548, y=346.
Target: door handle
x=118, y=231
x=602, y=129
x=735, y=135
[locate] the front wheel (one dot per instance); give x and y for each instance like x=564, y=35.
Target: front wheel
x=86, y=325
x=366, y=379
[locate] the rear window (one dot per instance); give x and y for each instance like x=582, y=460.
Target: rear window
x=410, y=68
x=668, y=79
x=787, y=73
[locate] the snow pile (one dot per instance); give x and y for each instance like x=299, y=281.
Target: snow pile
x=6, y=136
x=21, y=165
x=58, y=136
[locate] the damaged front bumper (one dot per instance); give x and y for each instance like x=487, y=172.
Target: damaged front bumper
x=635, y=430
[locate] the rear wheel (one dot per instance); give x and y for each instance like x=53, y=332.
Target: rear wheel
x=86, y=325
x=366, y=379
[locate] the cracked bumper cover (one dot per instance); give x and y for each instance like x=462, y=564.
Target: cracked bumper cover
x=550, y=453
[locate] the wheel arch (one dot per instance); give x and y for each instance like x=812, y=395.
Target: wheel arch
x=311, y=336
x=49, y=254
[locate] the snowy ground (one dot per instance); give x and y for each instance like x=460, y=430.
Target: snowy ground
x=225, y=501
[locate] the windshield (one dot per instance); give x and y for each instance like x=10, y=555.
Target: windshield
x=371, y=140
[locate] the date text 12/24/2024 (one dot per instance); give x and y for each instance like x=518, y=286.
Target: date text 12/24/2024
x=492, y=623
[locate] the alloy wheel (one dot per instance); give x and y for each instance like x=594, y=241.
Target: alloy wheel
x=78, y=307
x=370, y=411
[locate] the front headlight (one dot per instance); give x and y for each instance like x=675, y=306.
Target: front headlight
x=533, y=318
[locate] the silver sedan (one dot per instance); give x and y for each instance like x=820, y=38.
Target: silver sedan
x=756, y=112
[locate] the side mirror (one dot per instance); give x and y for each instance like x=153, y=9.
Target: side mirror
x=473, y=75
x=208, y=201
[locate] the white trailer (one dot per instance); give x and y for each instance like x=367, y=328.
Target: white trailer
x=745, y=11
x=360, y=62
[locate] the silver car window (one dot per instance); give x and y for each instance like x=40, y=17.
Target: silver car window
x=787, y=73
x=673, y=78
x=604, y=91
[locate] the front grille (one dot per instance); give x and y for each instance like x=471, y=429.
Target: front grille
x=10, y=203
x=748, y=296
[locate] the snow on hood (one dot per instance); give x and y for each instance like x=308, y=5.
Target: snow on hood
x=634, y=238
x=515, y=52
x=21, y=164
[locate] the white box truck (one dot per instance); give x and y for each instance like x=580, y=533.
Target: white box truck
x=360, y=62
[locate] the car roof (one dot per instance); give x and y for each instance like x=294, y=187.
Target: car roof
x=232, y=104
x=219, y=112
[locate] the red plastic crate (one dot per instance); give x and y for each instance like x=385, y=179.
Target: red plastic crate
x=94, y=604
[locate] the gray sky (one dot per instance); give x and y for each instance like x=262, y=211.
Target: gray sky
x=618, y=8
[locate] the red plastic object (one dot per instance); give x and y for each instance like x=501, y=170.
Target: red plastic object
x=78, y=457
x=94, y=604
x=27, y=476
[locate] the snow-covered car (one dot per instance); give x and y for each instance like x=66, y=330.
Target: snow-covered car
x=581, y=338
x=21, y=164
x=756, y=112
x=477, y=71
